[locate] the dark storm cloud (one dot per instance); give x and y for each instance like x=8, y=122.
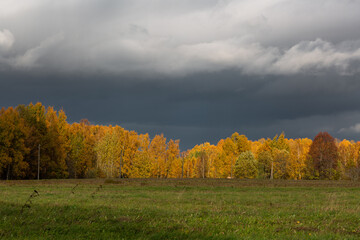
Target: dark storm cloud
x=199, y=107
x=195, y=70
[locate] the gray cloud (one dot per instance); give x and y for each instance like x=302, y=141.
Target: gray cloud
x=6, y=40
x=30, y=59
x=173, y=38
x=352, y=129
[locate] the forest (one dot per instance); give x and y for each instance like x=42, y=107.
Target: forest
x=37, y=141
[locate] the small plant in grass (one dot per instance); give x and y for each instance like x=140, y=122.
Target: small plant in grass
x=112, y=181
x=73, y=189
x=28, y=201
x=97, y=190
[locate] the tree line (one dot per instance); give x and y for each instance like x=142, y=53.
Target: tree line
x=83, y=150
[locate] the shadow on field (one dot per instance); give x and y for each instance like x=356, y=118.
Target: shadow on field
x=193, y=182
x=74, y=222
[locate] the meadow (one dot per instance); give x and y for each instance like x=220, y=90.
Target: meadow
x=179, y=209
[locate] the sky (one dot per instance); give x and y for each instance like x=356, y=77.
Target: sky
x=193, y=70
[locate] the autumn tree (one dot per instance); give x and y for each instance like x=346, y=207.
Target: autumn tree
x=108, y=151
x=242, y=143
x=220, y=166
x=212, y=153
x=296, y=165
x=13, y=134
x=80, y=150
x=190, y=163
x=158, y=156
x=173, y=162
x=323, y=156
x=231, y=154
x=348, y=167
x=202, y=162
x=131, y=145
x=141, y=164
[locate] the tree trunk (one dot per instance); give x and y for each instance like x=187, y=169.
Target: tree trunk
x=111, y=168
x=120, y=164
x=203, y=166
x=272, y=170
x=8, y=173
x=182, y=167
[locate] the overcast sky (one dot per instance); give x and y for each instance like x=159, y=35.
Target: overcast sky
x=194, y=70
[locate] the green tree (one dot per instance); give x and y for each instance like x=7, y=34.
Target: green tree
x=56, y=145
x=280, y=160
x=265, y=160
x=81, y=159
x=246, y=166
x=47, y=128
x=35, y=120
x=280, y=154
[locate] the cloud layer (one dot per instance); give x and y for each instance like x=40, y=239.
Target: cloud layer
x=6, y=40
x=178, y=38
x=194, y=70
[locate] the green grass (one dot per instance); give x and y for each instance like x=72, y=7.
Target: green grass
x=180, y=209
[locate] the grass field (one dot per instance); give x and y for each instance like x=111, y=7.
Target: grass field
x=180, y=209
